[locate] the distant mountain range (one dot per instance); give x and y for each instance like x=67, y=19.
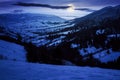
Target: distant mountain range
x=107, y=12
x=29, y=16
x=26, y=20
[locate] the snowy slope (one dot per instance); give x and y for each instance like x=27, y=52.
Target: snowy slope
x=12, y=51
x=19, y=22
x=9, y=17
x=104, y=13
x=27, y=21
x=100, y=54
x=10, y=70
x=32, y=27
x=104, y=57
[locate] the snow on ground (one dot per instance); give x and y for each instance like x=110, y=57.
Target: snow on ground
x=105, y=57
x=113, y=35
x=88, y=50
x=73, y=45
x=111, y=57
x=56, y=41
x=12, y=51
x=100, y=31
x=13, y=70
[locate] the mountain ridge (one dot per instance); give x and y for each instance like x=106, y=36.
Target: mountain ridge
x=107, y=12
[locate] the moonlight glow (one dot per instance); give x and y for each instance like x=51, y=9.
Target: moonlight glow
x=71, y=8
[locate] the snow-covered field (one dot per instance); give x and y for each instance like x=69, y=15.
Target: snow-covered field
x=13, y=67
x=13, y=70
x=12, y=51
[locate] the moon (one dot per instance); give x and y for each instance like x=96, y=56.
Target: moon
x=71, y=8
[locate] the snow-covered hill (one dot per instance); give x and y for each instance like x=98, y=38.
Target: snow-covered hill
x=33, y=28
x=102, y=14
x=19, y=22
x=102, y=55
x=32, y=17
x=11, y=70
x=12, y=51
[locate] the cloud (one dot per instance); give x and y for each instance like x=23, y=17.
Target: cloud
x=40, y=5
x=17, y=11
x=85, y=9
x=50, y=6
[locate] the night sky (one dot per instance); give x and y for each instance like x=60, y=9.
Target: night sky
x=68, y=9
